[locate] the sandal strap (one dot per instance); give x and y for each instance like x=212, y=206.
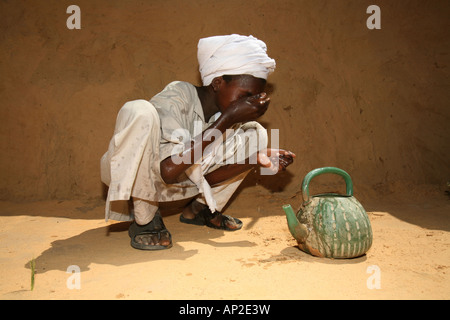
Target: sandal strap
x=204, y=217
x=156, y=226
x=223, y=221
x=156, y=233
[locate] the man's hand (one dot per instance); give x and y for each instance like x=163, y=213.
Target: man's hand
x=247, y=108
x=275, y=159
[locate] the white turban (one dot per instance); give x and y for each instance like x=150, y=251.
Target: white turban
x=233, y=55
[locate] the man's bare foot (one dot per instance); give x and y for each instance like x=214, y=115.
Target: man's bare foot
x=154, y=239
x=152, y=236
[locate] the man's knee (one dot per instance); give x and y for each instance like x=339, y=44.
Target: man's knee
x=137, y=111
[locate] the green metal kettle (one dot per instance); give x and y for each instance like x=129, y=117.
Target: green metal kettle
x=330, y=225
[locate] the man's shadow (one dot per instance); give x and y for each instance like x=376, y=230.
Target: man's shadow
x=111, y=245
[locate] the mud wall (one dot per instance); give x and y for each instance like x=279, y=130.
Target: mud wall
x=373, y=102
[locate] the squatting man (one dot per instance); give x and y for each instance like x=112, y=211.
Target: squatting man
x=158, y=154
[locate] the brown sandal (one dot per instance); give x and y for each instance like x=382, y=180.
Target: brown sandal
x=204, y=217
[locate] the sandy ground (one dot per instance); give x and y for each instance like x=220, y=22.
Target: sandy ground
x=411, y=252
x=372, y=102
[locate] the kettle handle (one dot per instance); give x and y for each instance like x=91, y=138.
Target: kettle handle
x=319, y=171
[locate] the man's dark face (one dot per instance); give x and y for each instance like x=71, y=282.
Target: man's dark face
x=239, y=87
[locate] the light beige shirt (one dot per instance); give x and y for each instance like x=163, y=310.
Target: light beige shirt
x=147, y=132
x=143, y=137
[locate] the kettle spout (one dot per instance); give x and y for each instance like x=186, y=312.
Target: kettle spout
x=297, y=229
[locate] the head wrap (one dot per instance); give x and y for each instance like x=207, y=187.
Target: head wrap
x=232, y=55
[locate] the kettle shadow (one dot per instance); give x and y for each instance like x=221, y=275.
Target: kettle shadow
x=295, y=254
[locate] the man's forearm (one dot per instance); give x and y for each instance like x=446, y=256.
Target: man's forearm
x=173, y=166
x=226, y=172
